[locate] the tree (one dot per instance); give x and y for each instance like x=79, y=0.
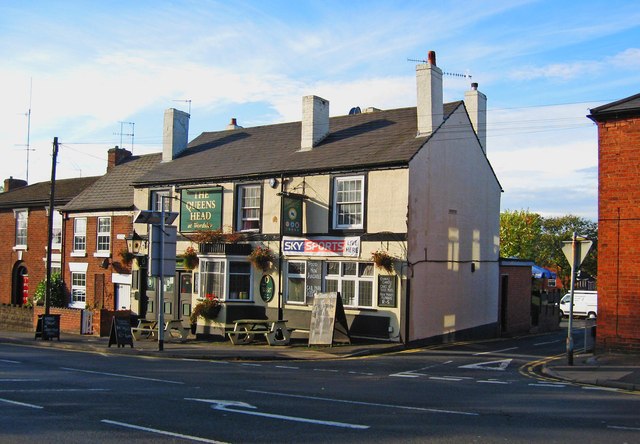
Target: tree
x=519, y=234
x=57, y=291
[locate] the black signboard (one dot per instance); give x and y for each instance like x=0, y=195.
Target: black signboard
x=267, y=288
x=314, y=278
x=386, y=291
x=120, y=332
x=291, y=215
x=48, y=326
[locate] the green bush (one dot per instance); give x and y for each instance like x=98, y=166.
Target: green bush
x=58, y=298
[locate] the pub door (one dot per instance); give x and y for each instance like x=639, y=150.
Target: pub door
x=184, y=296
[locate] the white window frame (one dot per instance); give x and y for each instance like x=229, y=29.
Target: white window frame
x=157, y=201
x=225, y=274
x=56, y=239
x=78, y=235
x=302, y=276
x=356, y=278
x=337, y=204
x=241, y=207
x=103, y=236
x=21, y=228
x=78, y=289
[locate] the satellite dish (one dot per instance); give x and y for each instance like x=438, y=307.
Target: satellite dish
x=354, y=110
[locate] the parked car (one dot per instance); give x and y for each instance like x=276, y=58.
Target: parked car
x=585, y=304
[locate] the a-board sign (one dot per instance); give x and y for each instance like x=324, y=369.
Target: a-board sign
x=386, y=291
x=120, y=332
x=314, y=278
x=328, y=320
x=48, y=326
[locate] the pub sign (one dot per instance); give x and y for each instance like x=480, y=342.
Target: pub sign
x=200, y=209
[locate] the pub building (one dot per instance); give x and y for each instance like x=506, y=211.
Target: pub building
x=397, y=210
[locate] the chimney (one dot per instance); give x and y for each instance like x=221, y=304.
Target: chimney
x=233, y=124
x=116, y=156
x=429, y=109
x=315, y=121
x=476, y=104
x=11, y=184
x=175, y=134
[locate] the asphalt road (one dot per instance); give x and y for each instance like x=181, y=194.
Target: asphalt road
x=475, y=392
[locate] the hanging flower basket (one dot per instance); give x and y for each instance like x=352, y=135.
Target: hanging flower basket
x=383, y=260
x=209, y=308
x=190, y=257
x=262, y=258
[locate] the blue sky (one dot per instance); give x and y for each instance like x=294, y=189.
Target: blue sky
x=84, y=67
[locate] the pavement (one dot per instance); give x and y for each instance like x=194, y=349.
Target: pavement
x=616, y=371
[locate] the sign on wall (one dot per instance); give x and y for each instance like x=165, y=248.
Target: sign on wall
x=200, y=209
x=291, y=216
x=321, y=246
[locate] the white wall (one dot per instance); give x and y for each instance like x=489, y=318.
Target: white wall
x=454, y=209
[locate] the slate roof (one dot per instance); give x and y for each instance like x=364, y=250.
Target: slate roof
x=627, y=107
x=38, y=194
x=367, y=140
x=114, y=190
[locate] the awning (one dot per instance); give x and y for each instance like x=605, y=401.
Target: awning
x=542, y=273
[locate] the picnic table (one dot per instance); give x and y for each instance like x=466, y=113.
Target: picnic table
x=275, y=332
x=147, y=329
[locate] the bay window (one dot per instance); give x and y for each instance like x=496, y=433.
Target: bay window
x=225, y=279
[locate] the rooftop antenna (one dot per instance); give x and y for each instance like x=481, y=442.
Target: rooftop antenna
x=122, y=133
x=28, y=115
x=187, y=101
x=451, y=74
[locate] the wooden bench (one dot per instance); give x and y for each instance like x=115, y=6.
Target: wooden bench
x=245, y=330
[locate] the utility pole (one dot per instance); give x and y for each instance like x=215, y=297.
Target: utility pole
x=47, y=295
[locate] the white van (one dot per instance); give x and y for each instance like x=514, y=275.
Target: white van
x=585, y=303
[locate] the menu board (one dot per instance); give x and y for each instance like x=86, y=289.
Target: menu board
x=120, y=332
x=386, y=291
x=314, y=278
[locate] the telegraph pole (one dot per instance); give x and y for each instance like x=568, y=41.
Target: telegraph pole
x=47, y=295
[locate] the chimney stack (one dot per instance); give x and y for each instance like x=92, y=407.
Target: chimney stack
x=315, y=121
x=429, y=108
x=11, y=184
x=175, y=134
x=116, y=156
x=233, y=124
x=476, y=104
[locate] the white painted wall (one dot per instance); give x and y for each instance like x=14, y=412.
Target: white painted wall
x=454, y=208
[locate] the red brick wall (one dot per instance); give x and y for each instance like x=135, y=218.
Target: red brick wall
x=32, y=258
x=518, y=313
x=619, y=236
x=103, y=297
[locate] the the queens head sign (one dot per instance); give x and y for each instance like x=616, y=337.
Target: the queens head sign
x=321, y=246
x=200, y=209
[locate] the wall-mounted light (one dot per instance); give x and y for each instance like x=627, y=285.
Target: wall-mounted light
x=135, y=243
x=105, y=263
x=273, y=182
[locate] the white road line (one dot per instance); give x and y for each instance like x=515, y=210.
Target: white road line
x=246, y=364
x=325, y=370
x=547, y=385
x=117, y=375
x=370, y=404
x=623, y=428
x=288, y=367
x=495, y=351
x=23, y=404
x=492, y=381
x=160, y=432
x=360, y=373
x=19, y=380
x=9, y=361
x=405, y=375
x=604, y=389
x=51, y=390
x=445, y=378
x=548, y=342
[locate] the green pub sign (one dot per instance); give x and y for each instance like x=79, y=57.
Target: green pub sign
x=200, y=209
x=291, y=216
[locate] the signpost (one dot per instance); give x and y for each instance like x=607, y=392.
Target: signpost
x=575, y=251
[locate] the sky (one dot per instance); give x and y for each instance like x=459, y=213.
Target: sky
x=101, y=74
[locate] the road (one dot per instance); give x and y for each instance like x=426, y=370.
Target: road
x=465, y=392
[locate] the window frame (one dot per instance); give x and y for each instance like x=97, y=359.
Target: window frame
x=357, y=278
x=226, y=278
x=335, y=204
x=240, y=207
x=103, y=234
x=21, y=232
x=78, y=235
x=77, y=287
x=155, y=201
x=56, y=231
x=302, y=276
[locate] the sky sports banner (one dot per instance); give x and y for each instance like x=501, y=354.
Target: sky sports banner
x=321, y=246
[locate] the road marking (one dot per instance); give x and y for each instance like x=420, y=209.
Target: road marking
x=232, y=406
x=492, y=381
x=160, y=432
x=548, y=342
x=604, y=389
x=495, y=351
x=415, y=373
x=405, y=375
x=360, y=373
x=325, y=370
x=246, y=364
x=623, y=428
x=369, y=404
x=23, y=404
x=19, y=380
x=491, y=365
x=117, y=375
x=445, y=378
x=9, y=361
x=549, y=384
x=288, y=367
x=51, y=390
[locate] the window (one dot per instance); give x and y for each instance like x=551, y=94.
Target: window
x=157, y=200
x=104, y=234
x=21, y=227
x=354, y=281
x=56, y=240
x=225, y=279
x=248, y=203
x=348, y=202
x=296, y=282
x=80, y=235
x=78, y=289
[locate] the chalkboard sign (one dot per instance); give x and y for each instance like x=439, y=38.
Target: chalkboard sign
x=314, y=278
x=386, y=291
x=48, y=326
x=120, y=332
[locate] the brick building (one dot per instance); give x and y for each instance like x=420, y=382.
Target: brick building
x=24, y=213
x=618, y=224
